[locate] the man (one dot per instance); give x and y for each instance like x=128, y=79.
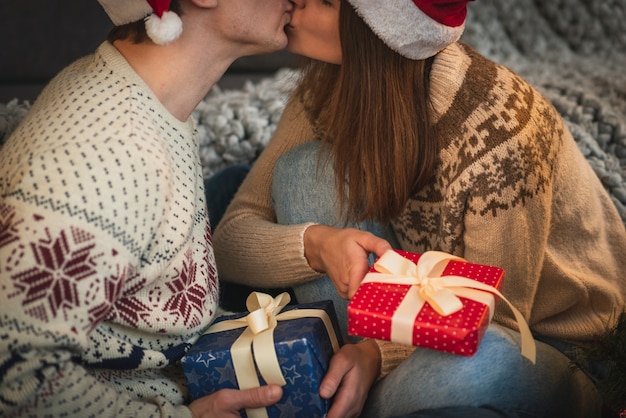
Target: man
x=107, y=272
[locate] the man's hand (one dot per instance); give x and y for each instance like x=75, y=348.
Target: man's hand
x=227, y=403
x=352, y=371
x=342, y=254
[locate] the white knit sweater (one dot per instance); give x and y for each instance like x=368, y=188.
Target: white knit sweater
x=106, y=262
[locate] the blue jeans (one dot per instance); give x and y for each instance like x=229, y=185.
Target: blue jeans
x=496, y=376
x=304, y=192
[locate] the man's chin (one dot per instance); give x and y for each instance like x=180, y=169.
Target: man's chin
x=276, y=46
x=292, y=45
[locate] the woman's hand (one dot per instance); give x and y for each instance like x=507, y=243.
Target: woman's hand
x=227, y=403
x=352, y=371
x=342, y=254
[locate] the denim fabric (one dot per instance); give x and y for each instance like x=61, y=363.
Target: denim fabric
x=496, y=376
x=461, y=412
x=301, y=193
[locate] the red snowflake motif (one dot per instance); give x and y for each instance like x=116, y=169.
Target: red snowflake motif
x=8, y=225
x=113, y=288
x=128, y=308
x=189, y=295
x=51, y=286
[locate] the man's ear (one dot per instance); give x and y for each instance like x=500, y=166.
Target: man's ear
x=207, y=4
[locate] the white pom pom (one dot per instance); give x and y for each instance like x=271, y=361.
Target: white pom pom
x=165, y=29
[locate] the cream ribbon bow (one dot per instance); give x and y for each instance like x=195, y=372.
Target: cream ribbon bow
x=441, y=292
x=259, y=334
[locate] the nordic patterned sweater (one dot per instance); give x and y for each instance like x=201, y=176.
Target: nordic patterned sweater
x=106, y=263
x=512, y=190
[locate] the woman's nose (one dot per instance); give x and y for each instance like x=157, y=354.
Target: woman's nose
x=298, y=3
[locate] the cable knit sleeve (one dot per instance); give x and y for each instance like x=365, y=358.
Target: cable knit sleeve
x=392, y=355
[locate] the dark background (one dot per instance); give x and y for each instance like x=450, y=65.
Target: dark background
x=41, y=37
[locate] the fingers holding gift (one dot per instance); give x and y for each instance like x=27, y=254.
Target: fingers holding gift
x=229, y=402
x=351, y=373
x=342, y=253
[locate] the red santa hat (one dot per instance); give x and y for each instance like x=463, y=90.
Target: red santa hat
x=416, y=29
x=162, y=25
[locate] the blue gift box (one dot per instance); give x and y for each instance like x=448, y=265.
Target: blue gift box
x=303, y=349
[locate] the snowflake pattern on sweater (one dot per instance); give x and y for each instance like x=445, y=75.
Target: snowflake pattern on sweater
x=106, y=260
x=513, y=190
x=499, y=153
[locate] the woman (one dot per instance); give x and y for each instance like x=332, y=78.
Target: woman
x=399, y=131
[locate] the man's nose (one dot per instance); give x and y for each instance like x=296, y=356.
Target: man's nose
x=298, y=3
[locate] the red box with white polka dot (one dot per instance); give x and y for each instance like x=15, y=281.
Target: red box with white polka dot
x=385, y=307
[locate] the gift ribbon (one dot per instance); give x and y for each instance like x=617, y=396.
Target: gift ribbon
x=259, y=335
x=441, y=292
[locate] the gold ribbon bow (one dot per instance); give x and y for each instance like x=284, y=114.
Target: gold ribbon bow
x=441, y=292
x=259, y=335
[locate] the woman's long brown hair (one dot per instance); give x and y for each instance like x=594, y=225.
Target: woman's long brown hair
x=373, y=112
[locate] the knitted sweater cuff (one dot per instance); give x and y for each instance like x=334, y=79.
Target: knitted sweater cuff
x=392, y=355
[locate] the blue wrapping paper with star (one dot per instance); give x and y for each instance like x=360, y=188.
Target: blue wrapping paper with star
x=289, y=345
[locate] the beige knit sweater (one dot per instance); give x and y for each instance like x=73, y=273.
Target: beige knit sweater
x=511, y=190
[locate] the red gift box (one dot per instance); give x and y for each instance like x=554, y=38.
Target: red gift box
x=379, y=305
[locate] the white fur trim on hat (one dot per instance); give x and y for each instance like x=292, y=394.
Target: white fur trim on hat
x=165, y=29
x=405, y=28
x=122, y=12
x=162, y=30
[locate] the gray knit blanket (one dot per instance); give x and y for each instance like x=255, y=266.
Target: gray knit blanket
x=574, y=51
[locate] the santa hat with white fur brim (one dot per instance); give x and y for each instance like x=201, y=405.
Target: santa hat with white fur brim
x=416, y=29
x=162, y=25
